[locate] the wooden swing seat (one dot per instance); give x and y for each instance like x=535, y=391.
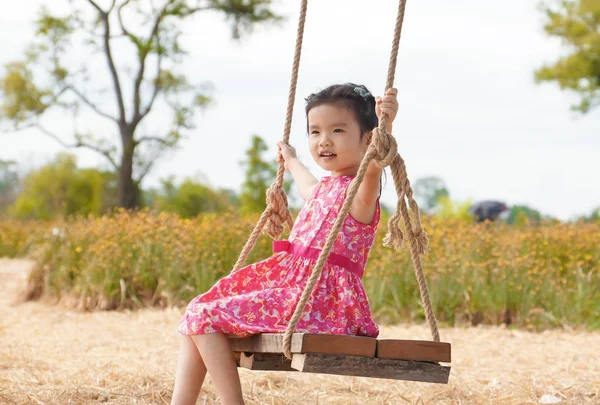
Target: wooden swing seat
x=410, y=360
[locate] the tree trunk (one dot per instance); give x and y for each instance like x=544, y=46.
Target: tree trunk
x=128, y=192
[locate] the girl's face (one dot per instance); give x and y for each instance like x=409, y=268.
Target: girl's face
x=334, y=139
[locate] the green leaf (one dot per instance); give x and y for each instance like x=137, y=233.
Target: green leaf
x=22, y=99
x=577, y=24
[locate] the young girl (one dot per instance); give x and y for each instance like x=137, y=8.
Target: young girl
x=261, y=297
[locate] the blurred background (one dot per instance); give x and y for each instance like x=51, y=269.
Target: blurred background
x=138, y=140
x=482, y=115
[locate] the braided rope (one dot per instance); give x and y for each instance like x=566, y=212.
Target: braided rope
x=383, y=151
x=277, y=212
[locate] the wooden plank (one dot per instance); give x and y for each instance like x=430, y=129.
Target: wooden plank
x=417, y=350
x=265, y=343
x=339, y=344
x=306, y=343
x=265, y=362
x=371, y=367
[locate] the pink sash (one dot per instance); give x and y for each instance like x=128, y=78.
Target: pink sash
x=313, y=253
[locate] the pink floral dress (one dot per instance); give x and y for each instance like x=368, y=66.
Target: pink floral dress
x=261, y=297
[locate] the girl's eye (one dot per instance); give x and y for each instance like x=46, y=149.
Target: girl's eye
x=338, y=130
x=314, y=133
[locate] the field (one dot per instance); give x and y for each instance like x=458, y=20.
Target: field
x=52, y=354
x=531, y=276
x=90, y=315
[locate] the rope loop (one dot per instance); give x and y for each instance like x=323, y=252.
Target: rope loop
x=279, y=214
x=385, y=147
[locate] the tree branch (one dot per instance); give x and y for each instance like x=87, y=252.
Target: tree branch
x=90, y=104
x=125, y=30
x=158, y=139
x=145, y=170
x=113, y=69
x=79, y=144
x=146, y=162
x=97, y=7
x=116, y=36
x=140, y=76
x=154, y=92
x=112, y=6
x=194, y=10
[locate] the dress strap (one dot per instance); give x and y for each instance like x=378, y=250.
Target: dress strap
x=313, y=253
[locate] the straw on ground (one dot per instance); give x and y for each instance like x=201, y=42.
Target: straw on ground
x=54, y=355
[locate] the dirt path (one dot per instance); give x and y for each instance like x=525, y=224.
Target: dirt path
x=50, y=355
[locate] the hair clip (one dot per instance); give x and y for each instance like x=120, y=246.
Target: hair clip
x=364, y=93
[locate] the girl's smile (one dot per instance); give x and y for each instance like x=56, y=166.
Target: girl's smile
x=335, y=140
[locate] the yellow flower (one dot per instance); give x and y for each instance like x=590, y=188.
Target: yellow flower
x=78, y=249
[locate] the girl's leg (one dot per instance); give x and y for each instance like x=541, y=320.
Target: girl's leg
x=189, y=375
x=218, y=358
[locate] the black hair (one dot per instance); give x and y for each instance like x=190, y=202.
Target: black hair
x=357, y=98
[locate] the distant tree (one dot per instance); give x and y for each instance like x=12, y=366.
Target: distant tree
x=523, y=214
x=9, y=184
x=577, y=24
x=450, y=209
x=59, y=189
x=428, y=192
x=191, y=198
x=54, y=76
x=260, y=174
x=593, y=217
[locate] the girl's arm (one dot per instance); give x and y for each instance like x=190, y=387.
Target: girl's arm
x=303, y=178
x=364, y=205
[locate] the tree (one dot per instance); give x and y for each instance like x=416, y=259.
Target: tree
x=593, y=217
x=9, y=184
x=428, y=191
x=117, y=31
x=577, y=24
x=260, y=174
x=523, y=214
x=60, y=189
x=191, y=198
x=449, y=209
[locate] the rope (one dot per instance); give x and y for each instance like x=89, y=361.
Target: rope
x=383, y=151
x=277, y=213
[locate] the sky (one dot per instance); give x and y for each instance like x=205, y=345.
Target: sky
x=469, y=109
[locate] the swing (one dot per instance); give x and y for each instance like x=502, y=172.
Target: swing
x=411, y=360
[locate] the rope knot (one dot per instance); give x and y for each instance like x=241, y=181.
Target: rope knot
x=277, y=207
x=385, y=147
x=394, y=238
x=422, y=240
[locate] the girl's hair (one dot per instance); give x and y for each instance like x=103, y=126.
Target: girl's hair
x=356, y=97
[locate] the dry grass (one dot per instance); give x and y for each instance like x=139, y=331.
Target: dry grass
x=52, y=355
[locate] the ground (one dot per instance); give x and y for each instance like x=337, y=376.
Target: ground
x=53, y=355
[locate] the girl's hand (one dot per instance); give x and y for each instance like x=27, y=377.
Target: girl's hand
x=287, y=153
x=389, y=105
